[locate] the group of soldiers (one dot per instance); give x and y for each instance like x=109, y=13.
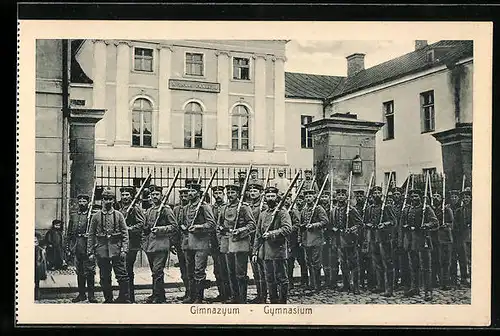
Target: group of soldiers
x=381, y=243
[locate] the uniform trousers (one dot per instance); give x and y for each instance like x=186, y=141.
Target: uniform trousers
x=397, y=253
x=459, y=254
x=85, y=269
x=436, y=267
x=330, y=260
x=297, y=254
x=276, y=278
x=445, y=251
x=237, y=266
x=157, y=261
x=384, y=265
x=258, y=270
x=130, y=261
x=404, y=268
x=196, y=264
x=349, y=256
x=421, y=261
x=116, y=264
x=313, y=259
x=181, y=257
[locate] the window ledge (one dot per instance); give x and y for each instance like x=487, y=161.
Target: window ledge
x=429, y=131
x=194, y=76
x=306, y=147
x=241, y=150
x=241, y=80
x=387, y=139
x=138, y=146
x=144, y=72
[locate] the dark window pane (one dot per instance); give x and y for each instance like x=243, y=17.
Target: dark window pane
x=244, y=132
x=148, y=52
x=245, y=73
x=148, y=65
x=198, y=142
x=303, y=137
x=147, y=140
x=234, y=133
x=136, y=140
x=234, y=144
x=187, y=141
x=244, y=144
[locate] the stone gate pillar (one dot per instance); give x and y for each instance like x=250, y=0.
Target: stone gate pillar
x=82, y=150
x=456, y=150
x=339, y=140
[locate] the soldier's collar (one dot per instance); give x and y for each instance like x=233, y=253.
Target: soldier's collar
x=104, y=211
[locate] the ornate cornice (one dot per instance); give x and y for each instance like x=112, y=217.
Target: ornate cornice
x=222, y=52
x=128, y=43
x=165, y=46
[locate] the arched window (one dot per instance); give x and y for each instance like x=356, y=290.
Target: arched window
x=142, y=115
x=239, y=128
x=193, y=126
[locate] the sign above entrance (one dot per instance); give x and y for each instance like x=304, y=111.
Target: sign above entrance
x=179, y=84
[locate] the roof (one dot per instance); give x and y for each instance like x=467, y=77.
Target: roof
x=77, y=73
x=309, y=86
x=450, y=51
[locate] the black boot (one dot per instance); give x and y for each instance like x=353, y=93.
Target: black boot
x=389, y=284
x=283, y=293
x=242, y=288
x=199, y=290
x=131, y=289
x=345, y=282
x=355, y=282
x=91, y=289
x=428, y=295
x=317, y=274
x=186, y=289
x=190, y=292
x=328, y=280
x=81, y=289
x=123, y=295
x=273, y=294
x=258, y=298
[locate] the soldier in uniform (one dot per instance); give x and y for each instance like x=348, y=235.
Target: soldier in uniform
x=312, y=238
x=299, y=203
x=367, y=276
x=156, y=242
x=77, y=247
x=254, y=176
x=199, y=226
x=329, y=255
x=293, y=243
x=381, y=246
x=308, y=184
x=454, y=205
x=219, y=258
x=463, y=222
x=420, y=241
x=444, y=241
x=281, y=182
x=108, y=242
x=349, y=229
x=238, y=242
x=135, y=223
x=258, y=268
x=299, y=250
x=177, y=241
x=399, y=253
x=270, y=245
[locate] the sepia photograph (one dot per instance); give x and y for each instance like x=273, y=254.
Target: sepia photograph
x=275, y=175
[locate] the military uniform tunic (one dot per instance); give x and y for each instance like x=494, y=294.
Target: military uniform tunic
x=443, y=245
x=77, y=244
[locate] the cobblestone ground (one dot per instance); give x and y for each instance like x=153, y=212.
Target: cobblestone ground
x=299, y=295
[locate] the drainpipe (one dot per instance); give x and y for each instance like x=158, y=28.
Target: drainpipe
x=66, y=58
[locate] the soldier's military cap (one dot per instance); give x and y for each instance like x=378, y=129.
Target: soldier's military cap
x=454, y=192
x=151, y=187
x=301, y=196
x=416, y=191
x=376, y=188
x=56, y=221
x=84, y=196
x=360, y=192
x=272, y=189
x=254, y=185
x=217, y=188
x=326, y=192
x=466, y=191
x=108, y=192
x=128, y=189
x=194, y=186
x=183, y=190
x=157, y=188
x=341, y=191
x=309, y=192
x=233, y=187
x=254, y=170
x=242, y=172
x=308, y=171
x=396, y=189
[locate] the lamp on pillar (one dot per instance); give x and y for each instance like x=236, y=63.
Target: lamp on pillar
x=357, y=165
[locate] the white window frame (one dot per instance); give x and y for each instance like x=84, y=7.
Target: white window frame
x=204, y=64
x=386, y=126
x=192, y=116
x=250, y=68
x=422, y=112
x=141, y=134
x=307, y=132
x=249, y=121
x=153, y=64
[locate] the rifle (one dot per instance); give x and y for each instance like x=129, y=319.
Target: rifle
x=405, y=199
x=278, y=207
x=348, y=203
x=297, y=195
x=364, y=247
x=312, y=182
x=242, y=197
x=316, y=202
x=463, y=188
x=165, y=198
x=198, y=206
x=430, y=192
x=426, y=243
x=261, y=205
x=137, y=195
x=384, y=201
x=443, y=203
x=91, y=204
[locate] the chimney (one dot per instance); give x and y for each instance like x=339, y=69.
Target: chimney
x=355, y=63
x=419, y=44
